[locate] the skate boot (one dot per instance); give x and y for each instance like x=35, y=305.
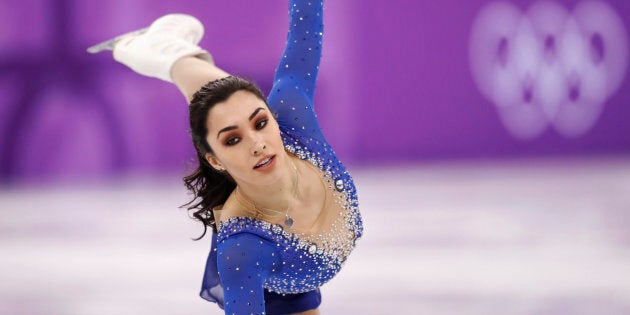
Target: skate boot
x=153, y=51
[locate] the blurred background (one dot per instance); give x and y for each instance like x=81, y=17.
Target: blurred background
x=489, y=141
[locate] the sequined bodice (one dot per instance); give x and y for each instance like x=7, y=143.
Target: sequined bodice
x=249, y=255
x=307, y=261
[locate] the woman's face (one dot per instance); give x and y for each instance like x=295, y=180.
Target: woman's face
x=245, y=139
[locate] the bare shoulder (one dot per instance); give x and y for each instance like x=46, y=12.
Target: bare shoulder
x=231, y=208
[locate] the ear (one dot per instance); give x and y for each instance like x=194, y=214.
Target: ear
x=214, y=162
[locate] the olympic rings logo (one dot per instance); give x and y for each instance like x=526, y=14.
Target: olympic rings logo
x=548, y=66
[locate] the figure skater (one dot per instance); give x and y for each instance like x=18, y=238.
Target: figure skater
x=282, y=208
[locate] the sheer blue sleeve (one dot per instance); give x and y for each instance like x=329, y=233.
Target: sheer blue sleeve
x=244, y=262
x=291, y=97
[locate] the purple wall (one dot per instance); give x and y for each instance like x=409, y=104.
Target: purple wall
x=424, y=102
x=395, y=84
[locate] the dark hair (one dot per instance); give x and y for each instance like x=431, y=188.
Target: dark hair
x=210, y=187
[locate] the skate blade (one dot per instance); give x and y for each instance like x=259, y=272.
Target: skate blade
x=110, y=43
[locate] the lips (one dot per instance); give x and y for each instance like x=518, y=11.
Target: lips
x=264, y=161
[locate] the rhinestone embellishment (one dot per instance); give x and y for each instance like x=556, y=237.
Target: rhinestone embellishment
x=312, y=249
x=339, y=185
x=276, y=228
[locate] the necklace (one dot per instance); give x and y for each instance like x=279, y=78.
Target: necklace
x=288, y=220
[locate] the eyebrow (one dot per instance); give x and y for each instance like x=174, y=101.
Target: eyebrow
x=255, y=112
x=228, y=128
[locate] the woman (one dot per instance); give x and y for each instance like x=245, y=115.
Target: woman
x=283, y=209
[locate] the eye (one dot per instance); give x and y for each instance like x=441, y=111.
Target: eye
x=232, y=140
x=261, y=123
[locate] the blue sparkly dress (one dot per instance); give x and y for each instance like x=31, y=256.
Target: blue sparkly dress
x=256, y=267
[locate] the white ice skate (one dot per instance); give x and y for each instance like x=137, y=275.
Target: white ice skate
x=110, y=43
x=152, y=51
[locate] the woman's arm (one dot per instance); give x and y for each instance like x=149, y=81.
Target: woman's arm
x=291, y=97
x=300, y=61
x=244, y=262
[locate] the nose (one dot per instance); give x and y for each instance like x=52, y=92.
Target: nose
x=258, y=148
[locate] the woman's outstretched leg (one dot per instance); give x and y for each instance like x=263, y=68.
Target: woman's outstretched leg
x=169, y=51
x=191, y=73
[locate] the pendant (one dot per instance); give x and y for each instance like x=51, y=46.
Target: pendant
x=288, y=221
